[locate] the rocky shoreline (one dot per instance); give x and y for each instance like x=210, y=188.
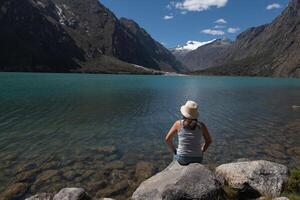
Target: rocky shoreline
x=257, y=179
x=103, y=171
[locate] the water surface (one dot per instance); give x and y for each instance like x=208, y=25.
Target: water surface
x=62, y=119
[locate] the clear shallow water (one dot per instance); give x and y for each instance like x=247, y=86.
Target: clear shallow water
x=62, y=118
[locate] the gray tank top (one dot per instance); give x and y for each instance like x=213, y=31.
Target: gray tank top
x=189, y=141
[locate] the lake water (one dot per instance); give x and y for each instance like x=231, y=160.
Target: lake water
x=53, y=126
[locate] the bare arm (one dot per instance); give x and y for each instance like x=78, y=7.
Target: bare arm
x=207, y=138
x=170, y=135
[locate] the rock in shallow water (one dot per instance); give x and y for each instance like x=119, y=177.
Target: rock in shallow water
x=281, y=198
x=106, y=150
x=180, y=182
x=262, y=177
x=26, y=167
x=118, y=189
x=42, y=196
x=114, y=165
x=15, y=191
x=268, y=198
x=71, y=194
x=144, y=170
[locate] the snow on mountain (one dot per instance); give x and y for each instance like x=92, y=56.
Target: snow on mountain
x=190, y=46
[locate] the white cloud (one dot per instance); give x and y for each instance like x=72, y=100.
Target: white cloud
x=199, y=5
x=169, y=6
x=221, y=21
x=219, y=26
x=213, y=32
x=183, y=12
x=273, y=6
x=233, y=30
x=168, y=17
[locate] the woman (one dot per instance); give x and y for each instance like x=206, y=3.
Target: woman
x=190, y=132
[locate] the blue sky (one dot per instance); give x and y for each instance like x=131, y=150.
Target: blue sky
x=174, y=22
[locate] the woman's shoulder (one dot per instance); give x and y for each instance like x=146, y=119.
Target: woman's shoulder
x=178, y=124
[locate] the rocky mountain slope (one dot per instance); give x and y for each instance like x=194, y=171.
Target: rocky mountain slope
x=205, y=56
x=269, y=50
x=68, y=35
x=152, y=54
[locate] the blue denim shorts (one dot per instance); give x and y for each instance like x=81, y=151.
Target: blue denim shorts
x=185, y=160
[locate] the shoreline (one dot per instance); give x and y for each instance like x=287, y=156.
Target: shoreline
x=287, y=190
x=99, y=181
x=158, y=73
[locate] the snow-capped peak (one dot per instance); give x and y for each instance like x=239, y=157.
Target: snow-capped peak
x=191, y=45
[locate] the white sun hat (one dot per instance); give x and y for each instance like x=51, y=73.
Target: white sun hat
x=190, y=110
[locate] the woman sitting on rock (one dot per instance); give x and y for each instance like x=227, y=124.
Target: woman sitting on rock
x=190, y=131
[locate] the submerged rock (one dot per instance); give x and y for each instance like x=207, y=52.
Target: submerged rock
x=281, y=198
x=71, y=194
x=268, y=198
x=42, y=196
x=46, y=178
x=26, y=167
x=144, y=170
x=27, y=176
x=71, y=175
x=180, y=182
x=115, y=165
x=255, y=177
x=96, y=185
x=117, y=189
x=15, y=191
x=107, y=150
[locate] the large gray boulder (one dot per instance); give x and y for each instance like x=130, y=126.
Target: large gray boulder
x=264, y=177
x=180, y=182
x=71, y=194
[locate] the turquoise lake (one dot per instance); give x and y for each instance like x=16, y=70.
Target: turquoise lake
x=63, y=118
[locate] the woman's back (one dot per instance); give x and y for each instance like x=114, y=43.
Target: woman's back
x=189, y=141
x=190, y=131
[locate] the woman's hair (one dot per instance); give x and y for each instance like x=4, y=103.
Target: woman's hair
x=190, y=125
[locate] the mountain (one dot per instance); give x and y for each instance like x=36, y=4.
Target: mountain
x=153, y=53
x=268, y=50
x=181, y=50
x=206, y=55
x=68, y=35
